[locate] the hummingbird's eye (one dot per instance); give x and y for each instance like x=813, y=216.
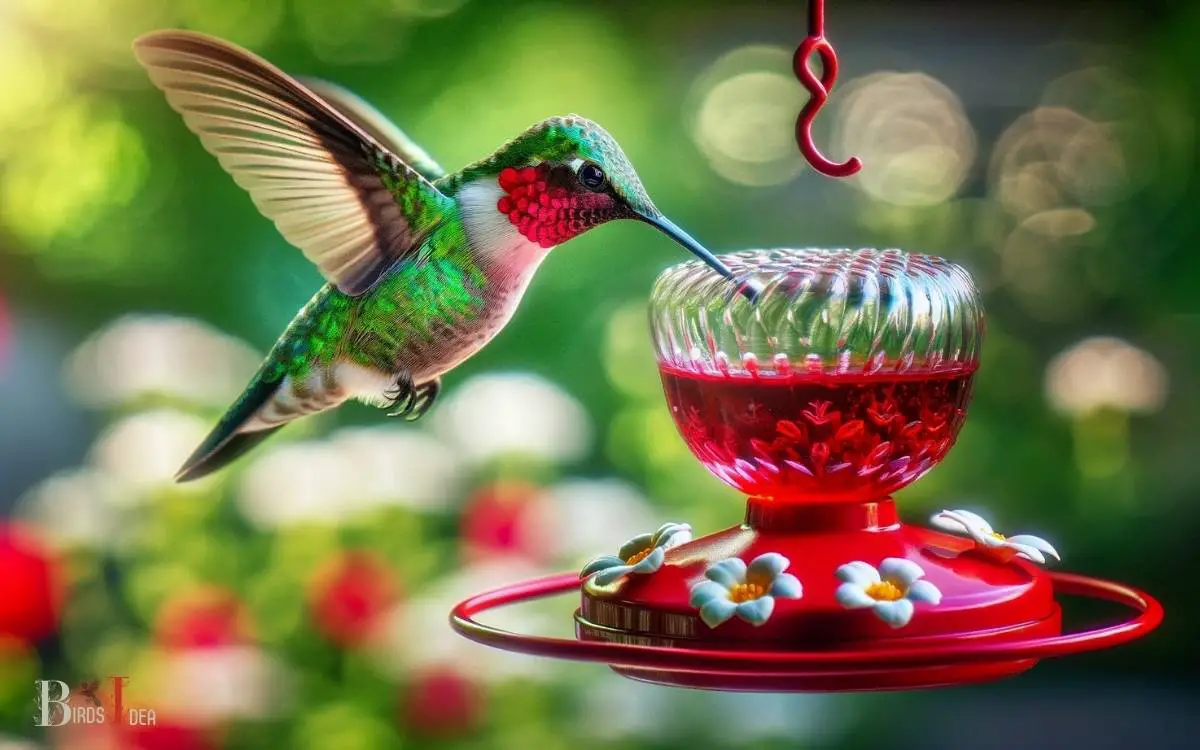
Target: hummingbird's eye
x=592, y=177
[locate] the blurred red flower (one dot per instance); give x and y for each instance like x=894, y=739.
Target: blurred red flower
x=30, y=585
x=116, y=734
x=165, y=736
x=205, y=617
x=349, y=594
x=442, y=702
x=492, y=521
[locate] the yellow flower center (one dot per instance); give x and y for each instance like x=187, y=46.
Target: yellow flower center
x=884, y=591
x=639, y=556
x=744, y=592
x=998, y=536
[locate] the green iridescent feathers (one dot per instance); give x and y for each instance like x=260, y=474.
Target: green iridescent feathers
x=315, y=337
x=352, y=206
x=371, y=329
x=418, y=305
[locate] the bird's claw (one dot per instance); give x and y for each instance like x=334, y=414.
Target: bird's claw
x=411, y=401
x=400, y=396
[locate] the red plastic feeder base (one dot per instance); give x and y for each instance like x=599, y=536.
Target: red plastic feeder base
x=905, y=678
x=995, y=618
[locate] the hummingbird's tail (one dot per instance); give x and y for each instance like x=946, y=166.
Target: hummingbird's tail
x=230, y=439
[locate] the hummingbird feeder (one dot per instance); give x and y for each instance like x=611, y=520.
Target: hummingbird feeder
x=842, y=379
x=845, y=380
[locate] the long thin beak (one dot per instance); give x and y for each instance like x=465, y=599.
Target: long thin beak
x=672, y=230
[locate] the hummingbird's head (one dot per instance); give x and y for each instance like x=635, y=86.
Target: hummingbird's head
x=566, y=175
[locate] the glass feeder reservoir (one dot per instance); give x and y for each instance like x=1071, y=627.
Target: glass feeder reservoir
x=847, y=379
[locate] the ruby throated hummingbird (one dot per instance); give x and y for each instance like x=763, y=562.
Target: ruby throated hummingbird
x=423, y=267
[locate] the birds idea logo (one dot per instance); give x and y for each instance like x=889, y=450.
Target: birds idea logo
x=57, y=704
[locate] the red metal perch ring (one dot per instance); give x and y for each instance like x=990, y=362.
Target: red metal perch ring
x=1150, y=614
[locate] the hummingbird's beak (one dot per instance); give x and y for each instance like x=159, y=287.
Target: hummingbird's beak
x=672, y=230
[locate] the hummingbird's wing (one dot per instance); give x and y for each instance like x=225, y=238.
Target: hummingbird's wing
x=334, y=191
x=377, y=125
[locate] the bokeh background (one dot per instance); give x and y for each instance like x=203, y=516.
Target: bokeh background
x=299, y=600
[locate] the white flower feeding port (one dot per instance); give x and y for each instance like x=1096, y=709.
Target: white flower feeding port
x=733, y=588
x=641, y=555
x=890, y=592
x=991, y=542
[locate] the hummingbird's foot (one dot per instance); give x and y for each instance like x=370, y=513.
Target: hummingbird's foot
x=412, y=401
x=400, y=396
x=423, y=397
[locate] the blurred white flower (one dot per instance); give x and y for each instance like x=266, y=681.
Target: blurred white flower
x=203, y=686
x=352, y=472
x=397, y=466
x=513, y=413
x=143, y=355
x=145, y=450
x=295, y=484
x=577, y=518
x=75, y=507
x=418, y=633
x=1103, y=372
x=12, y=743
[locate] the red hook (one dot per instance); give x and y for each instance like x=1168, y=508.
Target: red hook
x=819, y=88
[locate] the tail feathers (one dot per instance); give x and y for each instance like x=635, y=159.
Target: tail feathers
x=234, y=447
x=226, y=443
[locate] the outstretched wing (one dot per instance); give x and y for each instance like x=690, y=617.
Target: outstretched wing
x=377, y=125
x=334, y=191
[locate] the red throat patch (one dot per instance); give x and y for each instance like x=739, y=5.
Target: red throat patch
x=548, y=214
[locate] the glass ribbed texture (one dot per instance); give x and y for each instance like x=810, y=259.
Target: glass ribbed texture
x=839, y=311
x=846, y=380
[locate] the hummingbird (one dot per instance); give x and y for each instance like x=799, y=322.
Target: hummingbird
x=423, y=267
